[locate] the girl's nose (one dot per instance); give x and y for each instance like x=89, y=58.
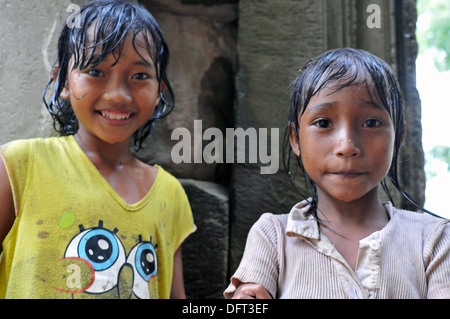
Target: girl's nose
x=117, y=90
x=347, y=144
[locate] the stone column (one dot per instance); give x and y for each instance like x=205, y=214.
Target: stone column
x=412, y=159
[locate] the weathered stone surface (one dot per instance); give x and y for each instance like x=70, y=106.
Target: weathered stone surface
x=27, y=52
x=205, y=253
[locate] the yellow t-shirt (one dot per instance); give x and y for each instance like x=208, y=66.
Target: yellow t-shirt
x=75, y=237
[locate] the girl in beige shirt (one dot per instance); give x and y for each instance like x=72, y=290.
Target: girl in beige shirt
x=345, y=128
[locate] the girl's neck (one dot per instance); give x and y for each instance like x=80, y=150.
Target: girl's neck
x=366, y=214
x=130, y=178
x=102, y=153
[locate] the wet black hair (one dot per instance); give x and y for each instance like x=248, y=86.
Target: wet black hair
x=340, y=68
x=114, y=20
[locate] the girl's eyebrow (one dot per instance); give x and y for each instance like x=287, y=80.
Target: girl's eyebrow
x=371, y=103
x=139, y=62
x=143, y=62
x=320, y=107
x=327, y=105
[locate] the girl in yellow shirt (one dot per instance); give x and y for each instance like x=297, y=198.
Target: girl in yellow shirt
x=80, y=216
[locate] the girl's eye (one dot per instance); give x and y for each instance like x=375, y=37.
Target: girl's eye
x=372, y=123
x=322, y=123
x=141, y=76
x=95, y=72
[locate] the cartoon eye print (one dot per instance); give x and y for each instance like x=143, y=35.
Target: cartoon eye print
x=142, y=259
x=105, y=257
x=104, y=251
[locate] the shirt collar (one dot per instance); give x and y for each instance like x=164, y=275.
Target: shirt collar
x=301, y=222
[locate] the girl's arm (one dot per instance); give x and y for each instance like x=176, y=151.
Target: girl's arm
x=178, y=291
x=259, y=269
x=438, y=267
x=7, y=214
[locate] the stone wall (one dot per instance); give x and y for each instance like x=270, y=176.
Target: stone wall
x=231, y=65
x=27, y=51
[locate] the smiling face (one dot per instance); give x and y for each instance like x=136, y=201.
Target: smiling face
x=113, y=100
x=346, y=142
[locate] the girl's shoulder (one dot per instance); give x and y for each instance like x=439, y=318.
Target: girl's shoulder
x=271, y=225
x=16, y=147
x=412, y=216
x=20, y=146
x=411, y=221
x=278, y=220
x=299, y=221
x=166, y=181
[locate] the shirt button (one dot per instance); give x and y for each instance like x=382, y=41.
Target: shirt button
x=375, y=244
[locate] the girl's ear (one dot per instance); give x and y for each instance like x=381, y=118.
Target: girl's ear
x=293, y=139
x=65, y=92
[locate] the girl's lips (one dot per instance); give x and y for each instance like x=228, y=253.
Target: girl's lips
x=348, y=174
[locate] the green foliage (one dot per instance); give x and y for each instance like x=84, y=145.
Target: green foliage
x=440, y=153
x=433, y=30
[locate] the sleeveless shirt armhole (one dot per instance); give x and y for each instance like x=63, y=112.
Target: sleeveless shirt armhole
x=11, y=182
x=193, y=230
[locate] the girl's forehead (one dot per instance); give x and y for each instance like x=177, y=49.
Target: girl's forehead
x=361, y=86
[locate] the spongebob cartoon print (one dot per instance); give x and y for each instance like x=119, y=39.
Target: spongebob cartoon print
x=100, y=252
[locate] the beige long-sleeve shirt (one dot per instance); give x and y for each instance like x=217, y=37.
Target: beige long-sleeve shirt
x=291, y=258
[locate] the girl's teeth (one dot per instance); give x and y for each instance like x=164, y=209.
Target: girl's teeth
x=116, y=116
